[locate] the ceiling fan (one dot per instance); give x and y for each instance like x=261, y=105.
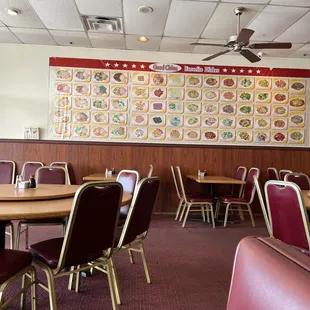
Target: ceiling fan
x=240, y=42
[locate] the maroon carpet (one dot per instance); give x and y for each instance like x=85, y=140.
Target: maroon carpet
x=190, y=269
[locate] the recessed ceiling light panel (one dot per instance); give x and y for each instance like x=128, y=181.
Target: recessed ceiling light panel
x=143, y=39
x=145, y=9
x=13, y=12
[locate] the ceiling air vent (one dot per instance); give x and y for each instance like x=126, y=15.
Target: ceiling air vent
x=103, y=24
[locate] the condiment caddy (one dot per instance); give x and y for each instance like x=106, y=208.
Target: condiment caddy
x=21, y=183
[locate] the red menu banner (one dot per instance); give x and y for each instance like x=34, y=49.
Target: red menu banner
x=129, y=101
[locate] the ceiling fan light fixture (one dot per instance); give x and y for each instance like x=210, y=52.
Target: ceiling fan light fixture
x=13, y=11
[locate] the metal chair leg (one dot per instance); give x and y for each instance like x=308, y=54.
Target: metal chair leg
x=131, y=256
x=116, y=284
x=179, y=209
x=183, y=211
x=217, y=208
x=18, y=232
x=226, y=214
x=240, y=213
x=111, y=285
x=212, y=216
x=251, y=215
x=146, y=270
x=203, y=214
x=186, y=215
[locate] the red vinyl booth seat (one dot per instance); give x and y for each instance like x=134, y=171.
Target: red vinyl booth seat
x=269, y=275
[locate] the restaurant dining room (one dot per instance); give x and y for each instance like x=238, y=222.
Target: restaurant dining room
x=154, y=154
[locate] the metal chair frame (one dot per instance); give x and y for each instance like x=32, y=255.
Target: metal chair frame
x=150, y=171
x=181, y=199
x=30, y=162
x=274, y=170
x=296, y=175
x=65, y=165
x=283, y=171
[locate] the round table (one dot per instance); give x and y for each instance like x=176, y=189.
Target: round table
x=45, y=201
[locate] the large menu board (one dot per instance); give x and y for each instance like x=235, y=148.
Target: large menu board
x=105, y=100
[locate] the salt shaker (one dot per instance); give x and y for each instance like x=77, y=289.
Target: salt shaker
x=106, y=172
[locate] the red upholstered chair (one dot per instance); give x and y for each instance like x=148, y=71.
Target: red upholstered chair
x=194, y=203
x=30, y=167
x=245, y=200
x=44, y=175
x=262, y=204
x=64, y=165
x=181, y=199
x=288, y=217
x=137, y=223
x=272, y=174
x=301, y=179
x=89, y=237
x=240, y=175
x=269, y=275
x=7, y=175
x=283, y=173
x=13, y=266
x=129, y=180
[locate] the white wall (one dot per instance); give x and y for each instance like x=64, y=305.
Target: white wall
x=25, y=71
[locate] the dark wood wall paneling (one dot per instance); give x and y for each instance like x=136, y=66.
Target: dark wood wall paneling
x=217, y=160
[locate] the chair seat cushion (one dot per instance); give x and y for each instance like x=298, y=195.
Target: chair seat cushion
x=52, y=220
x=232, y=199
x=48, y=251
x=11, y=262
x=200, y=199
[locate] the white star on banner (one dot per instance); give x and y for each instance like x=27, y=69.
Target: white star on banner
x=258, y=71
x=125, y=65
x=241, y=71
x=133, y=66
x=107, y=64
x=233, y=70
x=250, y=71
x=224, y=70
x=142, y=66
x=116, y=65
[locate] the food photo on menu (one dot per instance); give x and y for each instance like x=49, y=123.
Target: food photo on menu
x=109, y=104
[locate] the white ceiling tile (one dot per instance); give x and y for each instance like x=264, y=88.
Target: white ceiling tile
x=280, y=52
x=1, y=24
x=6, y=36
x=106, y=8
x=248, y=1
x=303, y=52
x=78, y=38
x=209, y=50
x=152, y=44
x=187, y=19
x=33, y=36
x=291, y=2
x=60, y=14
x=176, y=45
x=298, y=32
x=223, y=22
x=27, y=17
x=273, y=20
x=145, y=24
x=100, y=40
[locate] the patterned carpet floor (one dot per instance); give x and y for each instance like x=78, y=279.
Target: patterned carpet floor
x=190, y=269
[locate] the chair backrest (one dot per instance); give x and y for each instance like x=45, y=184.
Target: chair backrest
x=301, y=179
x=30, y=167
x=140, y=211
x=63, y=164
x=92, y=223
x=287, y=214
x=176, y=183
x=262, y=204
x=240, y=175
x=249, y=188
x=272, y=174
x=129, y=180
x=283, y=173
x=7, y=171
x=51, y=175
x=180, y=183
x=150, y=171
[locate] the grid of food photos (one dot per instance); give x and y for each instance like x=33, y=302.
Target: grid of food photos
x=141, y=106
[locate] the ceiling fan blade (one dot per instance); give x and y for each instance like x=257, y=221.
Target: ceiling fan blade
x=271, y=45
x=208, y=44
x=250, y=56
x=216, y=55
x=245, y=35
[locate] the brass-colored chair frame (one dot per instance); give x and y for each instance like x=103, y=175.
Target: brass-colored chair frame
x=284, y=171
x=303, y=209
x=30, y=162
x=262, y=204
x=104, y=261
x=28, y=271
x=203, y=206
x=274, y=170
x=26, y=226
x=10, y=224
x=65, y=165
x=181, y=199
x=150, y=171
x=240, y=204
x=130, y=171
